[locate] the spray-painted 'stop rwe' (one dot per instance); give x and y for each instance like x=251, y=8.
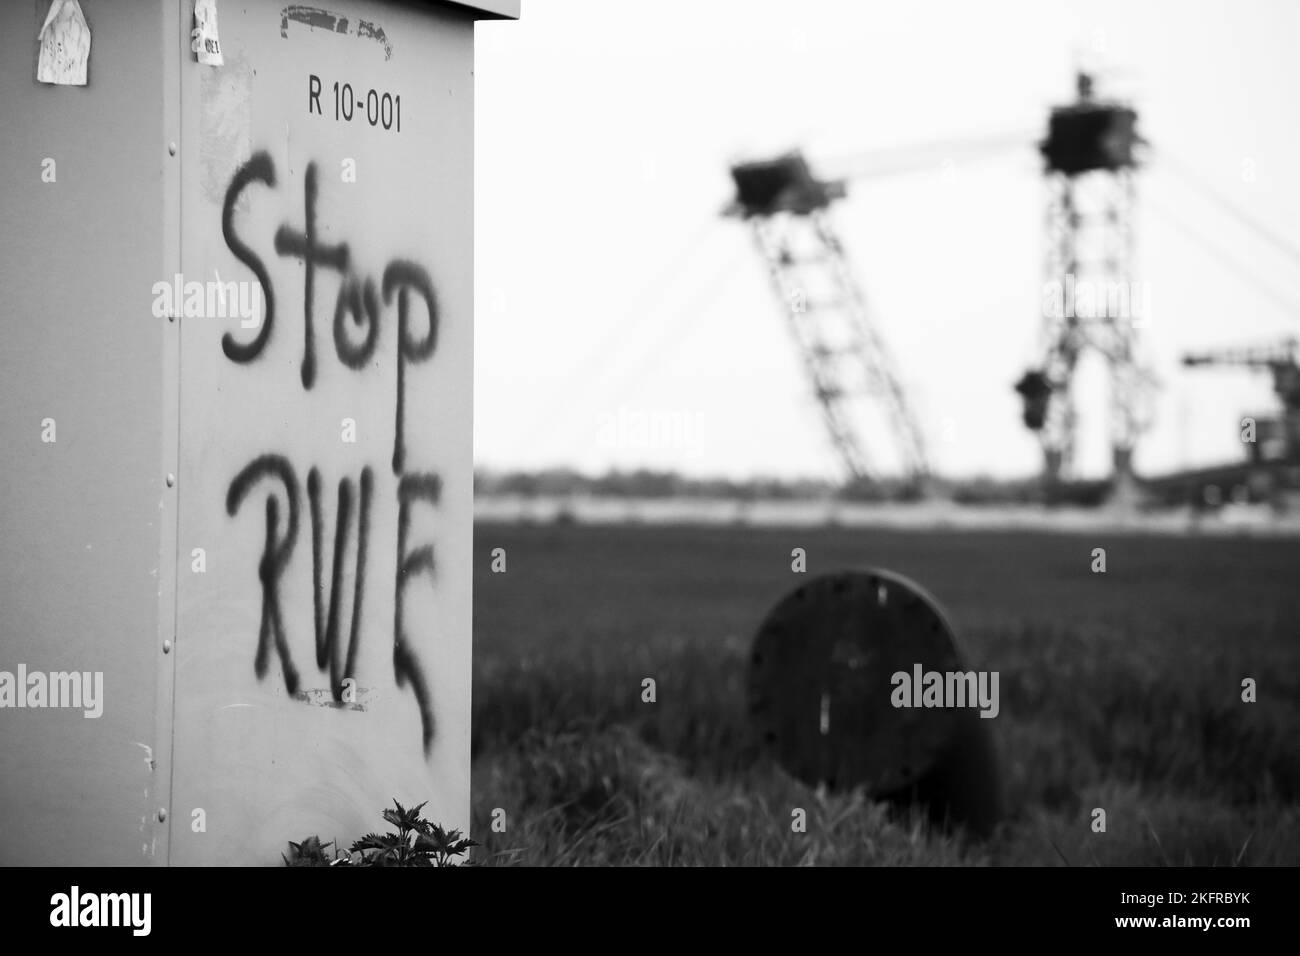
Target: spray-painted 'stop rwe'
x=239, y=473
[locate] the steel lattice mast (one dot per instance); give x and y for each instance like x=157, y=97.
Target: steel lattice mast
x=787, y=209
x=1090, y=166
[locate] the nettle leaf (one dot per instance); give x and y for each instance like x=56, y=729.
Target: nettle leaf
x=313, y=847
x=445, y=845
x=405, y=819
x=310, y=852
x=427, y=845
x=373, y=841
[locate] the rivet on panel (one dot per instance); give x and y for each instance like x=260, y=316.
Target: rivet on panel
x=162, y=814
x=171, y=149
x=167, y=647
x=171, y=480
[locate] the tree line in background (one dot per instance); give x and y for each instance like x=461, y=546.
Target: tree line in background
x=648, y=483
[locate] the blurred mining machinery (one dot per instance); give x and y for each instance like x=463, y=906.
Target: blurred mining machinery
x=1090, y=165
x=1091, y=310
x=1271, y=470
x=787, y=209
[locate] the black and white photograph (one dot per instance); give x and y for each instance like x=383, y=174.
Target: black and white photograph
x=708, y=434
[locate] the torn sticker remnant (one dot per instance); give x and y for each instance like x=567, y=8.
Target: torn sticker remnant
x=204, y=39
x=319, y=19
x=65, y=45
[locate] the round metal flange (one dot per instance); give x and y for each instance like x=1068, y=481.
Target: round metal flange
x=820, y=681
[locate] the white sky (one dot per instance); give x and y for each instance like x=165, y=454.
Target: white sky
x=610, y=294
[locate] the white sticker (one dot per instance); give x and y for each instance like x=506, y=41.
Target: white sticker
x=204, y=40
x=65, y=45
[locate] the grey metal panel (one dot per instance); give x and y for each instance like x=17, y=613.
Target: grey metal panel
x=79, y=518
x=97, y=547
x=263, y=744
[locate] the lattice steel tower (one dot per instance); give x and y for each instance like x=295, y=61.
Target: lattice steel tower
x=787, y=209
x=1089, y=299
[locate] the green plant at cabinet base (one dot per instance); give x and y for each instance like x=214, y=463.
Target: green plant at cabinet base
x=416, y=842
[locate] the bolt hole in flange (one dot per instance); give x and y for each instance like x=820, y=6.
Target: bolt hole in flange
x=823, y=661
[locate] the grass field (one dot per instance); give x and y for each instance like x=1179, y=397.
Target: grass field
x=1119, y=690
